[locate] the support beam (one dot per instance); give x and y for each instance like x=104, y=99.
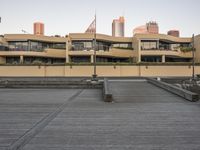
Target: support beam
x=92, y=58
x=163, y=58
x=21, y=59
x=67, y=52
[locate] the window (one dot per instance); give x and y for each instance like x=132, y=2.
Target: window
x=3, y=48
x=164, y=45
x=81, y=45
x=123, y=45
x=18, y=46
x=12, y=60
x=151, y=59
x=58, y=46
x=46, y=60
x=80, y=59
x=149, y=45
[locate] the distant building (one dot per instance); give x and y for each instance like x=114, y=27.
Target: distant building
x=140, y=30
x=38, y=28
x=118, y=27
x=175, y=33
x=150, y=28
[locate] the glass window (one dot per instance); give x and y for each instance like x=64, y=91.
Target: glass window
x=18, y=46
x=57, y=46
x=149, y=45
x=122, y=45
x=81, y=45
x=88, y=44
x=12, y=60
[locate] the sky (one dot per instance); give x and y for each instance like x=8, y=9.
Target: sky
x=62, y=17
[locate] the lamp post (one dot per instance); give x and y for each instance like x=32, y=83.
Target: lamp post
x=94, y=76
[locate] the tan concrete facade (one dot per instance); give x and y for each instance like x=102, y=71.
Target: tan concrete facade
x=135, y=53
x=104, y=71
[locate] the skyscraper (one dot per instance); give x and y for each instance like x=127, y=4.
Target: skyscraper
x=118, y=27
x=38, y=28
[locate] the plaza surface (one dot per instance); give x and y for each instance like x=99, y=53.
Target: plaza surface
x=142, y=117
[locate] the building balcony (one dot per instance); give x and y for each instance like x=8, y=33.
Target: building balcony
x=46, y=53
x=159, y=52
x=113, y=52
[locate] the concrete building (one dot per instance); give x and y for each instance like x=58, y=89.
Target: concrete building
x=118, y=27
x=78, y=48
x=175, y=33
x=38, y=28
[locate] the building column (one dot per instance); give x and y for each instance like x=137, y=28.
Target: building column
x=163, y=58
x=139, y=51
x=92, y=58
x=67, y=52
x=157, y=44
x=67, y=58
x=21, y=59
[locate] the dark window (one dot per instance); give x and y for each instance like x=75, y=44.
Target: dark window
x=151, y=59
x=34, y=46
x=12, y=60
x=46, y=60
x=79, y=59
x=3, y=48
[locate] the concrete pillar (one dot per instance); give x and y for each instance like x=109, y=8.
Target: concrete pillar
x=157, y=44
x=92, y=58
x=67, y=59
x=139, y=51
x=163, y=58
x=67, y=52
x=21, y=59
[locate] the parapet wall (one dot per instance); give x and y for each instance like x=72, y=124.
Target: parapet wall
x=102, y=70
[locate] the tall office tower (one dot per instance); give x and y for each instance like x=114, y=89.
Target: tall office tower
x=118, y=27
x=38, y=28
x=175, y=33
x=152, y=27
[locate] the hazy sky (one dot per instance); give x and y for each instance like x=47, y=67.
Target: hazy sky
x=71, y=16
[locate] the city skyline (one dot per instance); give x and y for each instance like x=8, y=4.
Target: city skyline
x=61, y=17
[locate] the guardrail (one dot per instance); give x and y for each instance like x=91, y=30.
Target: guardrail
x=188, y=95
x=107, y=95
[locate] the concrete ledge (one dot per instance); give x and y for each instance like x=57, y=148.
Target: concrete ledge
x=107, y=95
x=47, y=84
x=188, y=95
